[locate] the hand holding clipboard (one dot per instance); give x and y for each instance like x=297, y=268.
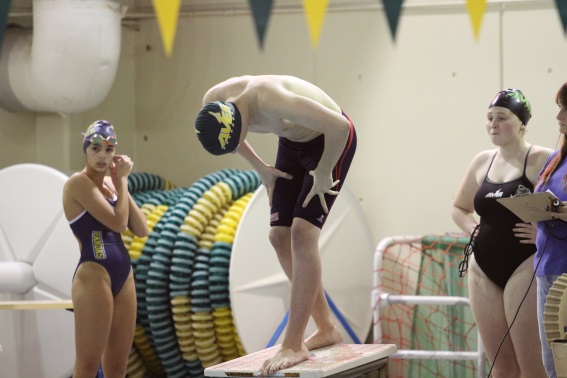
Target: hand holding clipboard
x=533, y=207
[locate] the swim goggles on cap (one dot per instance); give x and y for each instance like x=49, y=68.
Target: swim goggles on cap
x=98, y=139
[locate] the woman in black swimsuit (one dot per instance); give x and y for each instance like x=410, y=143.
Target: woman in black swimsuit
x=502, y=266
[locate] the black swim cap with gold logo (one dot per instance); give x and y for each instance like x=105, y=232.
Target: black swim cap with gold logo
x=516, y=102
x=218, y=126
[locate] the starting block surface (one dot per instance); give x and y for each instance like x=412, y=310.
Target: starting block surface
x=323, y=362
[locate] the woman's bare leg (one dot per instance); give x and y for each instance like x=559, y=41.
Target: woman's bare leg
x=92, y=302
x=115, y=359
x=524, y=332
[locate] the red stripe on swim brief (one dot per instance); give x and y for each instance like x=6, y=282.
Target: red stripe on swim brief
x=339, y=165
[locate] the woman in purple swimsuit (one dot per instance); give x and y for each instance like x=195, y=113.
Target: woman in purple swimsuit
x=99, y=208
x=501, y=269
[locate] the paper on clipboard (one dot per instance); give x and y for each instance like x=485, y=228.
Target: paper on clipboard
x=532, y=207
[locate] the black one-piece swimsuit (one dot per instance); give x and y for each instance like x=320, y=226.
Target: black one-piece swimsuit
x=497, y=251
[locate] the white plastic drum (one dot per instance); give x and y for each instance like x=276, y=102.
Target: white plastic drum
x=260, y=290
x=38, y=250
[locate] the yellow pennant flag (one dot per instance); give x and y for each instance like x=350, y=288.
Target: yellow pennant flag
x=167, y=12
x=476, y=12
x=315, y=11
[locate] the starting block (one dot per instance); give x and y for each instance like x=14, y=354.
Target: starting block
x=341, y=360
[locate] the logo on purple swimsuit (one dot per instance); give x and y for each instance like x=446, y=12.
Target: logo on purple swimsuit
x=98, y=246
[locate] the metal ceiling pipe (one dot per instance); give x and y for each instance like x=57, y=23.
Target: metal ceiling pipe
x=67, y=62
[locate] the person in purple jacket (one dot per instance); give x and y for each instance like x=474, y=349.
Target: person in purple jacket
x=98, y=208
x=551, y=240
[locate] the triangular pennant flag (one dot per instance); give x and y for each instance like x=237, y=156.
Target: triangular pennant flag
x=167, y=12
x=476, y=12
x=261, y=9
x=393, y=9
x=4, y=10
x=562, y=9
x=315, y=11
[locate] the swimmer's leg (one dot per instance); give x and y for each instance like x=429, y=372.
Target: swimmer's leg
x=298, y=253
x=115, y=359
x=92, y=303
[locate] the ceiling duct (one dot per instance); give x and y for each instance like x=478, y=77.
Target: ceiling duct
x=67, y=62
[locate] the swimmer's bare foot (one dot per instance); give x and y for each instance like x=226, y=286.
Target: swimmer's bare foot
x=321, y=339
x=283, y=359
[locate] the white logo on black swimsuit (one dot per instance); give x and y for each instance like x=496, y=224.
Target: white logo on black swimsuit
x=496, y=194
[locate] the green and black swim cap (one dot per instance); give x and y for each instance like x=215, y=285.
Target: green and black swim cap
x=218, y=126
x=516, y=102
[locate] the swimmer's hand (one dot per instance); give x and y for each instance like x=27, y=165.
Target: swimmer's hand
x=120, y=168
x=321, y=186
x=526, y=232
x=269, y=175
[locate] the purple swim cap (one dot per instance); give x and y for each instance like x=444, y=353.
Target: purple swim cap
x=98, y=132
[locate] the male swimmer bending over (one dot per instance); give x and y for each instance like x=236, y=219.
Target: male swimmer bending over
x=316, y=145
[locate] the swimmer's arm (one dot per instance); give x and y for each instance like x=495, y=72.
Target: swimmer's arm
x=267, y=173
x=210, y=97
x=462, y=207
x=136, y=219
x=245, y=150
x=281, y=103
x=122, y=208
x=335, y=141
x=80, y=189
x=539, y=156
x=303, y=111
x=223, y=91
x=137, y=222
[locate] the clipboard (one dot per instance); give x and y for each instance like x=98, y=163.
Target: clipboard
x=531, y=207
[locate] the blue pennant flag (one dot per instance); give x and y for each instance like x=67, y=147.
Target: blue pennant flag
x=393, y=9
x=562, y=9
x=261, y=10
x=4, y=10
